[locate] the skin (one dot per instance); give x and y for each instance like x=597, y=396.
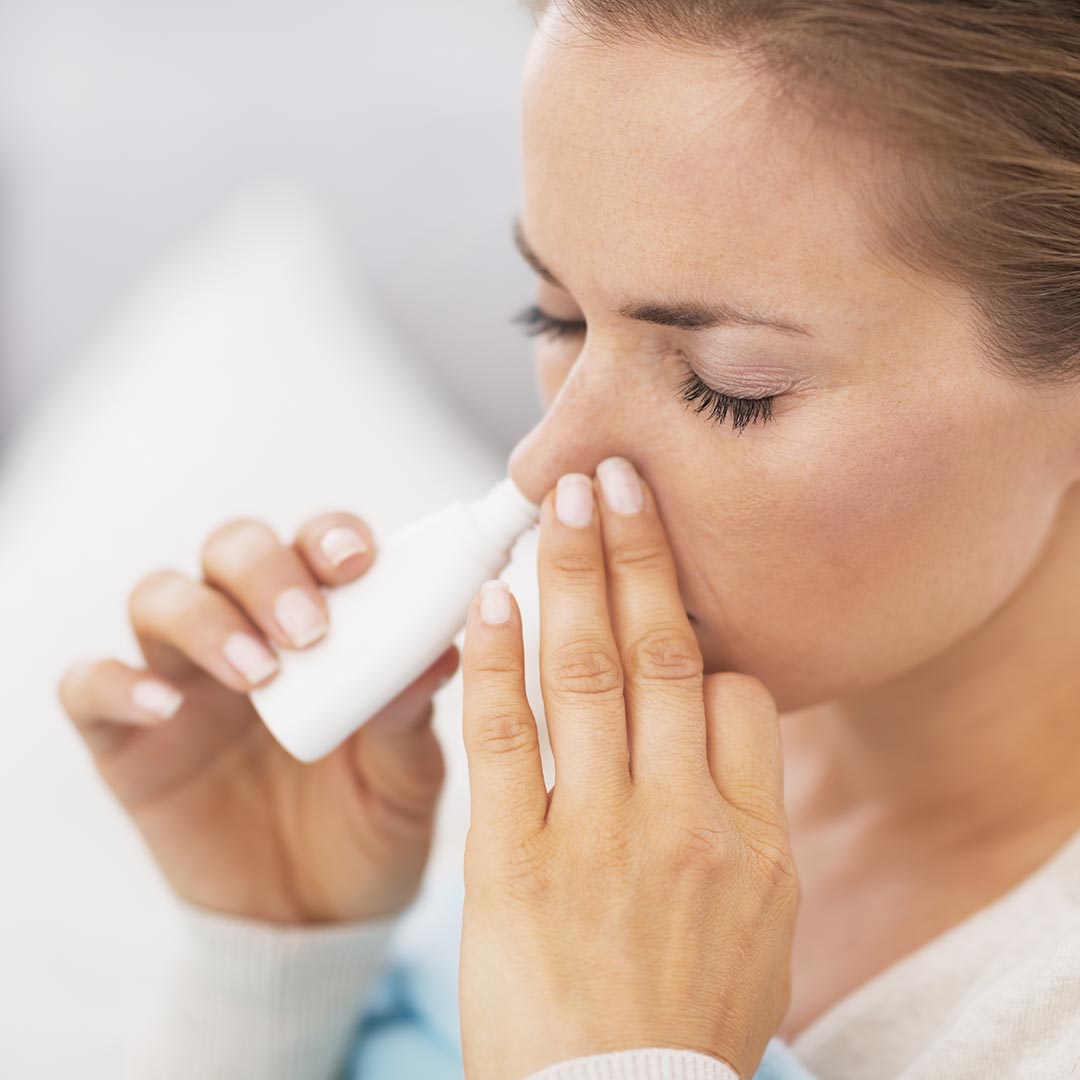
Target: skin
x=234, y=822
x=887, y=563
x=649, y=898
x=892, y=555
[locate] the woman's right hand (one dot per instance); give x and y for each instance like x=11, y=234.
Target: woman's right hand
x=236, y=824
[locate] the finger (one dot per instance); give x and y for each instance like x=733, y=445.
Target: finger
x=408, y=708
x=580, y=672
x=337, y=547
x=661, y=659
x=398, y=752
x=108, y=701
x=180, y=624
x=268, y=581
x=745, y=752
x=506, y=779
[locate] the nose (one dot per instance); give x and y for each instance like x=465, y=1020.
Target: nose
x=585, y=423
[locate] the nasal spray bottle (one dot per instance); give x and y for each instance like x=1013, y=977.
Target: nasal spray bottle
x=392, y=623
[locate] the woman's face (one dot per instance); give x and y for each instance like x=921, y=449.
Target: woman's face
x=900, y=490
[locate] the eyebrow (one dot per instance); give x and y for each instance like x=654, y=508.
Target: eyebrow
x=688, y=316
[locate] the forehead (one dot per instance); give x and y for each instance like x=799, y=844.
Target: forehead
x=648, y=168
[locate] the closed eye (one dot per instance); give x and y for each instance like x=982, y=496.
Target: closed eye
x=537, y=321
x=715, y=404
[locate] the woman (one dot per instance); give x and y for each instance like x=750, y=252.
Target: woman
x=813, y=266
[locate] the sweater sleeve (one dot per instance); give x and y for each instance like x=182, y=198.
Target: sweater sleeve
x=252, y=999
x=779, y=1063
x=654, y=1063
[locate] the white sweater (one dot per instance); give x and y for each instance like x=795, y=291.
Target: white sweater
x=251, y=1000
x=996, y=997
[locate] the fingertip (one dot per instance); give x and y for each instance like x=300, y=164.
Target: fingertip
x=496, y=602
x=157, y=699
x=251, y=661
x=338, y=547
x=342, y=543
x=71, y=678
x=493, y=634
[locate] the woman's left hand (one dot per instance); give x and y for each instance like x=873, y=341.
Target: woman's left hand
x=649, y=899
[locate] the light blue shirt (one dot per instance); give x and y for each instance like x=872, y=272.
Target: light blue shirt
x=410, y=1027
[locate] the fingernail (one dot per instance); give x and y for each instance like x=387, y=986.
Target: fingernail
x=342, y=542
x=300, y=617
x=620, y=484
x=494, y=602
x=155, y=697
x=250, y=657
x=574, y=500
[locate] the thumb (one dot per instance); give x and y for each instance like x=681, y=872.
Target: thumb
x=397, y=753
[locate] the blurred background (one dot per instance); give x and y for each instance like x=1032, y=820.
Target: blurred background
x=257, y=261
x=124, y=125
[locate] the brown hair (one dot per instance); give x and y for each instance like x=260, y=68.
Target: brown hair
x=979, y=101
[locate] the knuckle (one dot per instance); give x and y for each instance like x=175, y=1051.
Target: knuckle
x=506, y=732
x=234, y=542
x=665, y=655
x=526, y=872
x=759, y=805
x=637, y=555
x=151, y=587
x=517, y=868
x=774, y=864
x=703, y=845
x=586, y=667
x=169, y=605
x=610, y=842
x=496, y=662
x=575, y=564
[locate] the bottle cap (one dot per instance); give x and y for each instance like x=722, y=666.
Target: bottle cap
x=504, y=513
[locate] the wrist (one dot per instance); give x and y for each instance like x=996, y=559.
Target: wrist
x=249, y=903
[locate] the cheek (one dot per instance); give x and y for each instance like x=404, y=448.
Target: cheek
x=829, y=563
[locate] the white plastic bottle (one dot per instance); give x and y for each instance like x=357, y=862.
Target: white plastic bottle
x=390, y=624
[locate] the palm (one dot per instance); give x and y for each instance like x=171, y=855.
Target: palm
x=240, y=825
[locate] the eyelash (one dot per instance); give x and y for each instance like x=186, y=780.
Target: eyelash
x=717, y=406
